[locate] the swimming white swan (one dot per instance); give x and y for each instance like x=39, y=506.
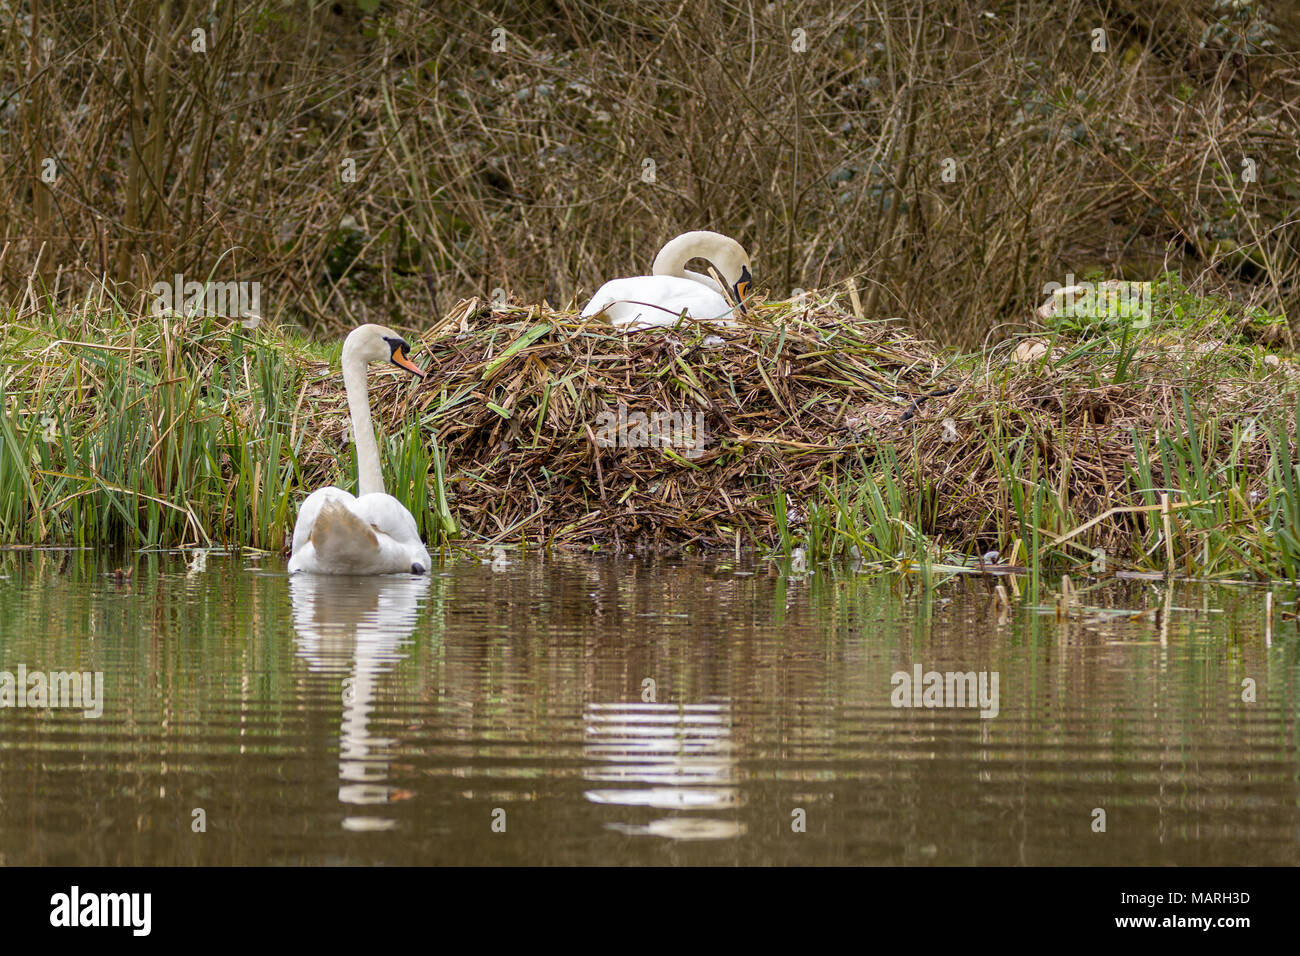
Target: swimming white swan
x=643, y=302
x=372, y=533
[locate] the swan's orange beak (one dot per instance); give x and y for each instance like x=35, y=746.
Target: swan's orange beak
x=400, y=360
x=741, y=288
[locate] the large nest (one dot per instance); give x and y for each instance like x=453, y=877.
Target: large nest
x=786, y=401
x=799, y=401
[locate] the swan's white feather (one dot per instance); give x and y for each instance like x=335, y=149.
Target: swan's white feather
x=643, y=302
x=709, y=281
x=394, y=548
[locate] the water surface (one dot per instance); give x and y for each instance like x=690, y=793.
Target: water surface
x=606, y=710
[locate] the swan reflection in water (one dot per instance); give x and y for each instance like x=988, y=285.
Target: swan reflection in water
x=356, y=628
x=665, y=757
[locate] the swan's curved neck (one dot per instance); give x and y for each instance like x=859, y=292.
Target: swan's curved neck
x=673, y=257
x=369, y=478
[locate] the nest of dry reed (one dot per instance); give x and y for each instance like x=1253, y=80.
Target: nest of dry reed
x=786, y=401
x=796, y=401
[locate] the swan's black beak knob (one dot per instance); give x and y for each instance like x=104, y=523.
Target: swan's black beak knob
x=400, y=349
x=741, y=288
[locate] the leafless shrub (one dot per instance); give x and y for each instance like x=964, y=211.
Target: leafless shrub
x=947, y=157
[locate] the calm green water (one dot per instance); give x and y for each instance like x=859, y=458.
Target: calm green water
x=335, y=721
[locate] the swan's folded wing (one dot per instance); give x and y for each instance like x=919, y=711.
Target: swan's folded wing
x=606, y=295
x=310, y=511
x=387, y=515
x=708, y=281
x=656, y=301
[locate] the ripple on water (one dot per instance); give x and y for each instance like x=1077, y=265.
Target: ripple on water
x=503, y=716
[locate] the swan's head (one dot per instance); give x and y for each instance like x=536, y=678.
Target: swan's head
x=741, y=285
x=375, y=343
x=726, y=254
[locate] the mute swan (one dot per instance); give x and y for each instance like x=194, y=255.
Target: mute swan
x=372, y=533
x=643, y=302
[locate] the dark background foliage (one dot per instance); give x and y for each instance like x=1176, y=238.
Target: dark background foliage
x=506, y=146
